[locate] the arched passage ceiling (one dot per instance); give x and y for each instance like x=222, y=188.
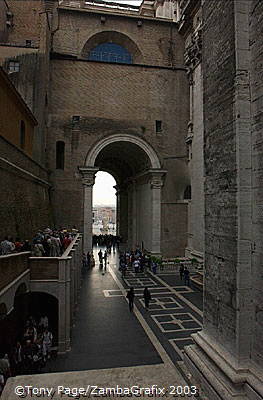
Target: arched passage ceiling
x=123, y=160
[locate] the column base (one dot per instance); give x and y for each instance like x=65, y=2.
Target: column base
x=64, y=347
x=218, y=374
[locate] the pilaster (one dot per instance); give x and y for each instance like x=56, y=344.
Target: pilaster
x=156, y=184
x=88, y=180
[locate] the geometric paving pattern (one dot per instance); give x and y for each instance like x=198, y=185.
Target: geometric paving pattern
x=140, y=281
x=162, y=303
x=172, y=316
x=176, y=322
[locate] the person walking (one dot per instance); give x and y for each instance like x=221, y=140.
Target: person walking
x=154, y=267
x=147, y=297
x=88, y=259
x=105, y=258
x=136, y=265
x=186, y=277
x=181, y=271
x=84, y=261
x=47, y=343
x=92, y=260
x=123, y=268
x=130, y=296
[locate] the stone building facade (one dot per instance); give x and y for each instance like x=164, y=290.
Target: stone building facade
x=226, y=358
x=93, y=100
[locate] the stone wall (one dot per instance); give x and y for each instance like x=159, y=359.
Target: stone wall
x=227, y=357
x=195, y=137
x=11, y=267
x=256, y=49
x=220, y=173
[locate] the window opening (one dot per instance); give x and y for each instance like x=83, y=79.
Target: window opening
x=110, y=52
x=158, y=126
x=60, y=155
x=13, y=66
x=187, y=193
x=22, y=134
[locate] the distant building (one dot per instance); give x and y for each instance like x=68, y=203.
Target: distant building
x=104, y=216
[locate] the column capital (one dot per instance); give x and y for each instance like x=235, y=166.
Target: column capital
x=88, y=175
x=156, y=183
x=156, y=178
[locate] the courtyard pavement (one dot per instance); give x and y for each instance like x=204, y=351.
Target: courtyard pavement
x=107, y=335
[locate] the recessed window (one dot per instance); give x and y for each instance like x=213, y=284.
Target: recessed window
x=13, y=66
x=28, y=43
x=110, y=52
x=22, y=138
x=60, y=155
x=158, y=126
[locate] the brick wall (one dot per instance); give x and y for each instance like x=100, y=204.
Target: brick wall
x=115, y=99
x=26, y=21
x=24, y=195
x=30, y=22
x=12, y=105
x=3, y=19
x=158, y=42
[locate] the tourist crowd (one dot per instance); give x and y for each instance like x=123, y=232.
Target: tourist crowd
x=30, y=353
x=107, y=240
x=137, y=260
x=46, y=243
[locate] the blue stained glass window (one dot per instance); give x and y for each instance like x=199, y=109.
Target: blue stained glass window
x=110, y=52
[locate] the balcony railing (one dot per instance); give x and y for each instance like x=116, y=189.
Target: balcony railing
x=48, y=268
x=41, y=268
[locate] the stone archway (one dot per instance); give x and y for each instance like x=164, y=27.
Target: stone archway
x=139, y=177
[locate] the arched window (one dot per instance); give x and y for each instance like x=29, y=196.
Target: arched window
x=22, y=137
x=60, y=155
x=187, y=193
x=110, y=52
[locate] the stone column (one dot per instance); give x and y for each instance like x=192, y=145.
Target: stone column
x=123, y=198
x=156, y=184
x=88, y=180
x=134, y=215
x=117, y=209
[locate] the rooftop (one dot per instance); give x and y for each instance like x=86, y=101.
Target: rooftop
x=101, y=4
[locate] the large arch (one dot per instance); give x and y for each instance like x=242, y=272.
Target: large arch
x=116, y=37
x=137, y=169
x=100, y=145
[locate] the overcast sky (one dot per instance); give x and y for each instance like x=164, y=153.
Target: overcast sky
x=103, y=191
